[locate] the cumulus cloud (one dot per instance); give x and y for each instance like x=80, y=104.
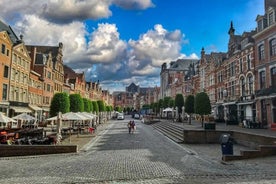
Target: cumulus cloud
x=134, y=4
x=58, y=11
x=102, y=54
x=105, y=45
x=66, y=11
x=155, y=47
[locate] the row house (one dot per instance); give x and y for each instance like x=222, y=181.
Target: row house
x=228, y=79
x=36, y=94
x=124, y=99
x=107, y=97
x=79, y=85
x=265, y=64
x=174, y=79
x=19, y=77
x=156, y=94
x=33, y=74
x=95, y=91
x=210, y=79
x=76, y=80
x=47, y=61
x=6, y=44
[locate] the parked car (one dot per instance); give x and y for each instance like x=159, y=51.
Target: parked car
x=120, y=116
x=136, y=116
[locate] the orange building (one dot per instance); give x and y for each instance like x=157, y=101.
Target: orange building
x=5, y=62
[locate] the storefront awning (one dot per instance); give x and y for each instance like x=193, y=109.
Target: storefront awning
x=21, y=109
x=35, y=108
x=229, y=103
x=245, y=103
x=47, y=109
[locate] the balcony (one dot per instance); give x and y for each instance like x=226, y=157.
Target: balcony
x=266, y=91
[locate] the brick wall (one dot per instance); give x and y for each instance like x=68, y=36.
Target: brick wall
x=26, y=150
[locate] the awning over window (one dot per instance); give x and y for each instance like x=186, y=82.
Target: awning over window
x=35, y=108
x=47, y=109
x=21, y=109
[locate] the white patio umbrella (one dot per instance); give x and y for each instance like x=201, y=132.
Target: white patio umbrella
x=74, y=116
x=88, y=115
x=24, y=116
x=5, y=119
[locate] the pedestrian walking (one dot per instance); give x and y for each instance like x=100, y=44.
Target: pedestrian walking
x=133, y=126
x=129, y=126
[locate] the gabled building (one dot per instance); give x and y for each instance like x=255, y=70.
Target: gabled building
x=210, y=79
x=48, y=62
x=19, y=78
x=6, y=45
x=172, y=78
x=265, y=65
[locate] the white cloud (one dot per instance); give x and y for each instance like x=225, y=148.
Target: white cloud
x=157, y=46
x=59, y=11
x=37, y=31
x=102, y=54
x=105, y=45
x=134, y=4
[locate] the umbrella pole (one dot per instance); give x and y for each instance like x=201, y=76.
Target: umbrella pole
x=70, y=132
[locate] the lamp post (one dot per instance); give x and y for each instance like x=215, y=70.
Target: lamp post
x=225, y=108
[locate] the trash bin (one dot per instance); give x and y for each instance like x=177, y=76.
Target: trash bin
x=226, y=144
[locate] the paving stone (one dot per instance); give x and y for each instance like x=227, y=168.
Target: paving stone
x=114, y=156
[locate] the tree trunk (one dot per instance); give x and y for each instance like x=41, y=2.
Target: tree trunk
x=202, y=119
x=190, y=119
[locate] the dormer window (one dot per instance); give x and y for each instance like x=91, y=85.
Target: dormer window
x=260, y=25
x=270, y=18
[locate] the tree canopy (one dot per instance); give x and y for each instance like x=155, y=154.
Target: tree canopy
x=179, y=102
x=189, y=104
x=101, y=105
x=202, y=104
x=76, y=103
x=95, y=107
x=59, y=103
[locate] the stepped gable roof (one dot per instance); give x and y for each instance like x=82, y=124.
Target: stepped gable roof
x=182, y=64
x=69, y=72
x=8, y=29
x=48, y=49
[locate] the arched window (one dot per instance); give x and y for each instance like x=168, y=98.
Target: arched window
x=272, y=47
x=250, y=84
x=242, y=82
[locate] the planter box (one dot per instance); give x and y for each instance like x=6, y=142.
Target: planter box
x=209, y=126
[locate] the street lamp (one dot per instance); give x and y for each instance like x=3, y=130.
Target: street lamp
x=225, y=108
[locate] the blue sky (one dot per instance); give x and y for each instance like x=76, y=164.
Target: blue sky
x=119, y=42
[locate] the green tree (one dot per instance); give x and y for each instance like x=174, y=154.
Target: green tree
x=101, y=105
x=166, y=101
x=95, y=107
x=160, y=105
x=86, y=105
x=171, y=103
x=179, y=103
x=76, y=103
x=155, y=107
x=91, y=106
x=59, y=103
x=189, y=106
x=202, y=105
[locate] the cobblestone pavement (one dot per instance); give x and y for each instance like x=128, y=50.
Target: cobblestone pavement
x=147, y=157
